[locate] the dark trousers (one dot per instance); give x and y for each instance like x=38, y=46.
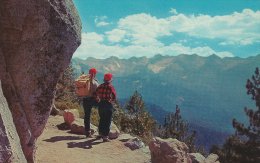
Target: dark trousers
x=105, y=110
x=88, y=103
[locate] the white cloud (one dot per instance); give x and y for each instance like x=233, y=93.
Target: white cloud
x=143, y=29
x=91, y=38
x=101, y=21
x=139, y=35
x=93, y=46
x=116, y=35
x=101, y=24
x=173, y=11
x=177, y=48
x=237, y=28
x=89, y=44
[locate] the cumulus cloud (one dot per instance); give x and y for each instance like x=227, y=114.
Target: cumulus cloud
x=101, y=21
x=140, y=35
x=116, y=35
x=177, y=48
x=236, y=28
x=143, y=29
x=173, y=11
x=89, y=44
x=93, y=46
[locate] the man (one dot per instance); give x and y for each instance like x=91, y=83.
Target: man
x=89, y=101
x=105, y=96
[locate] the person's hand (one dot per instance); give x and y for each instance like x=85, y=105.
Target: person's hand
x=97, y=99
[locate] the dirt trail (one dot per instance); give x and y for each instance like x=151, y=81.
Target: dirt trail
x=60, y=146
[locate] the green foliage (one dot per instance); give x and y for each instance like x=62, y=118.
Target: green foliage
x=65, y=97
x=94, y=117
x=175, y=127
x=244, y=145
x=117, y=115
x=136, y=119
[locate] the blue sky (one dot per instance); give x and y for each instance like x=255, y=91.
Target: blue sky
x=126, y=28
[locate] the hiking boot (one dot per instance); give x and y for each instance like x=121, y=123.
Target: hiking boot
x=105, y=139
x=89, y=135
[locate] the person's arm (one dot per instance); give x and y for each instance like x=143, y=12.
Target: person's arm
x=94, y=85
x=113, y=91
x=95, y=94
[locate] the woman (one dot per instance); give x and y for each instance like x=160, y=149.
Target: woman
x=105, y=96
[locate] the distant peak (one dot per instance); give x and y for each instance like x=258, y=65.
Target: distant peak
x=91, y=58
x=113, y=57
x=214, y=56
x=157, y=56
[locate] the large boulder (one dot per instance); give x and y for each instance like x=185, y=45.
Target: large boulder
x=70, y=115
x=10, y=147
x=125, y=137
x=169, y=151
x=37, y=41
x=197, y=158
x=212, y=158
x=134, y=144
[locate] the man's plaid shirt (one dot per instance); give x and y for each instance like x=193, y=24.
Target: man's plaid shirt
x=106, y=91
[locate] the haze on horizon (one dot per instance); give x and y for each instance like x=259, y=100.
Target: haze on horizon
x=148, y=27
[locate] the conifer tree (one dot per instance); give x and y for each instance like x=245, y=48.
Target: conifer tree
x=117, y=114
x=136, y=119
x=244, y=145
x=65, y=97
x=175, y=127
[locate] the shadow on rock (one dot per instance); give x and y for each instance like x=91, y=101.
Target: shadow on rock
x=61, y=138
x=85, y=145
x=63, y=126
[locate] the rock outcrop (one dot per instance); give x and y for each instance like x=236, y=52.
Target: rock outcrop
x=198, y=158
x=37, y=41
x=173, y=151
x=10, y=147
x=212, y=158
x=69, y=117
x=169, y=151
x=134, y=144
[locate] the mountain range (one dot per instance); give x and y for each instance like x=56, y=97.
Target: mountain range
x=209, y=90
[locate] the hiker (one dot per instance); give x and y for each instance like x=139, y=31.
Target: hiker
x=105, y=96
x=89, y=100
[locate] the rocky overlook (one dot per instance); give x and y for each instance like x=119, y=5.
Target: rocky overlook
x=37, y=41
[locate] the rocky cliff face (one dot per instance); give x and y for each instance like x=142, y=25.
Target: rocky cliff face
x=10, y=147
x=37, y=40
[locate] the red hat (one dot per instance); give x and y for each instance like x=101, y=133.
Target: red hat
x=108, y=77
x=92, y=71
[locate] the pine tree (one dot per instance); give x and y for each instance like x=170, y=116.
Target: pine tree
x=136, y=119
x=65, y=97
x=117, y=114
x=175, y=127
x=244, y=145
